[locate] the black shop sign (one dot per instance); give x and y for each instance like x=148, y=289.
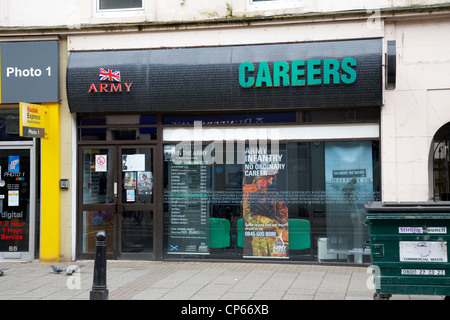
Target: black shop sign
x=344, y=73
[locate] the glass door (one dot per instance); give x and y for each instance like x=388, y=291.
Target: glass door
x=116, y=196
x=135, y=202
x=97, y=196
x=17, y=203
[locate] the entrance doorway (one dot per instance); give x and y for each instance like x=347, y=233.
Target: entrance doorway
x=116, y=195
x=17, y=201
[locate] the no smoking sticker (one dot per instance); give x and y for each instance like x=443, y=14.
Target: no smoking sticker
x=101, y=163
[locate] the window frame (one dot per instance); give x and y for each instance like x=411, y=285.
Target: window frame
x=121, y=12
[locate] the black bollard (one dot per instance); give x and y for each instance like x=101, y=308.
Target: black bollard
x=99, y=290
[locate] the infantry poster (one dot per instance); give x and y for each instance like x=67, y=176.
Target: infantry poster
x=265, y=214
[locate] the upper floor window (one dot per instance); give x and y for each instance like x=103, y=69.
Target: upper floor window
x=118, y=8
x=119, y=4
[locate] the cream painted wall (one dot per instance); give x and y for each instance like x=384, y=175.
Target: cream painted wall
x=416, y=109
x=73, y=13
x=67, y=199
x=211, y=36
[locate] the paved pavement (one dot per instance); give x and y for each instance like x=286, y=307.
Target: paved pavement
x=173, y=280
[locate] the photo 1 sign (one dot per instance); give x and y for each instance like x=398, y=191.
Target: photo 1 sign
x=29, y=71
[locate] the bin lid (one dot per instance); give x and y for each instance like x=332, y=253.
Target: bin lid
x=408, y=207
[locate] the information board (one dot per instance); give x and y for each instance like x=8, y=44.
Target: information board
x=188, y=209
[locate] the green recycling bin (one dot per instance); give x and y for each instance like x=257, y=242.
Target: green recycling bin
x=409, y=248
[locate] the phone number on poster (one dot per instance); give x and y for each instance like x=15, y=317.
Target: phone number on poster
x=260, y=233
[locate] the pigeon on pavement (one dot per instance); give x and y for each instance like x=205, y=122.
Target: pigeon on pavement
x=1, y=272
x=71, y=269
x=56, y=269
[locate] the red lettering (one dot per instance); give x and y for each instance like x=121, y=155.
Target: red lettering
x=13, y=237
x=128, y=86
x=12, y=230
x=103, y=87
x=116, y=88
x=32, y=110
x=17, y=224
x=92, y=88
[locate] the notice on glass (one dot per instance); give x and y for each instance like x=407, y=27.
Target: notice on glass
x=131, y=196
x=133, y=162
x=188, y=212
x=129, y=180
x=13, y=198
x=145, y=182
x=101, y=162
x=423, y=251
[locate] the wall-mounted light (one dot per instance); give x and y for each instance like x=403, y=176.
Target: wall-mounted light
x=391, y=65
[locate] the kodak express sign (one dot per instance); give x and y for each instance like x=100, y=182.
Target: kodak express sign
x=33, y=120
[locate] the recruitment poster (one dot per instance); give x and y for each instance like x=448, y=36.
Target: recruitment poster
x=349, y=184
x=265, y=213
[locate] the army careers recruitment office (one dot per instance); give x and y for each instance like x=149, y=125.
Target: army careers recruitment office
x=228, y=152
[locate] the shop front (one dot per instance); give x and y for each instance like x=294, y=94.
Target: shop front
x=29, y=109
x=235, y=152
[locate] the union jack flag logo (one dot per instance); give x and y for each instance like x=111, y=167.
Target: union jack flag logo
x=108, y=74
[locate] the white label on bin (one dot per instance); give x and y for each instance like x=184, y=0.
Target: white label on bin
x=442, y=230
x=410, y=230
x=423, y=251
x=423, y=272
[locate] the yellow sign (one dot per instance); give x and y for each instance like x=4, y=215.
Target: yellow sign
x=33, y=120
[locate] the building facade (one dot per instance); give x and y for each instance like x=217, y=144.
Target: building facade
x=238, y=130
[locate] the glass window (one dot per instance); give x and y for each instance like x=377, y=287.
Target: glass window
x=441, y=158
x=341, y=115
x=113, y=127
x=241, y=118
x=301, y=201
x=119, y=4
x=9, y=124
x=15, y=220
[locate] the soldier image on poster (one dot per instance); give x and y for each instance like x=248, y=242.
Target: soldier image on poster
x=265, y=218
